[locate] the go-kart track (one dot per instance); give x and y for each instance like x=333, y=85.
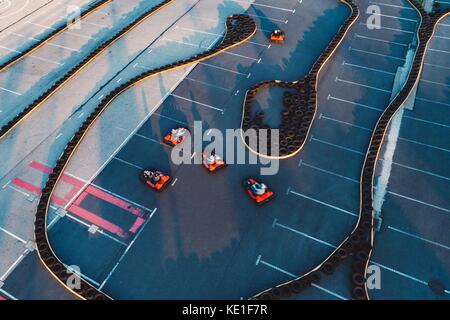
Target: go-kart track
x=203, y=237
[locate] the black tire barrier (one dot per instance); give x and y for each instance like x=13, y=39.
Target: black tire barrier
x=359, y=293
x=327, y=268
x=4, y=130
x=47, y=256
x=305, y=95
x=358, y=280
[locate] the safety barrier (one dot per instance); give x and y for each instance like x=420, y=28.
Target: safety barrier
x=19, y=56
x=359, y=244
x=300, y=106
x=75, y=70
x=239, y=28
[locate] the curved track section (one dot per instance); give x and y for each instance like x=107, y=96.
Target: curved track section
x=7, y=128
x=51, y=35
x=359, y=244
x=300, y=106
x=239, y=28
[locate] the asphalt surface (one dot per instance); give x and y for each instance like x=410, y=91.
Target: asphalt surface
x=414, y=242
x=203, y=238
x=242, y=254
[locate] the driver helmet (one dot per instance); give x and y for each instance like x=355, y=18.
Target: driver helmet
x=259, y=188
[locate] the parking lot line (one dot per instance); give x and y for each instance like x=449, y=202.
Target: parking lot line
x=362, y=85
x=380, y=40
x=419, y=238
x=432, y=101
x=400, y=273
x=8, y=295
x=128, y=163
x=265, y=5
x=435, y=82
x=427, y=121
x=386, y=28
x=321, y=116
x=224, y=69
x=390, y=5
x=126, y=250
x=329, y=172
x=422, y=171
x=424, y=144
x=338, y=146
x=354, y=103
x=11, y=91
x=376, y=54
x=396, y=17
x=367, y=68
x=304, y=234
x=266, y=18
x=14, y=265
x=13, y=235
x=438, y=50
x=323, y=203
x=436, y=66
x=418, y=201
x=196, y=102
x=293, y=276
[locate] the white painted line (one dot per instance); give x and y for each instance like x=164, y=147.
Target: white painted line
x=58, y=136
x=305, y=235
x=367, y=68
x=380, y=40
x=386, y=28
x=435, y=102
x=422, y=171
x=376, y=54
x=435, y=82
x=329, y=172
x=391, y=5
x=424, y=144
x=295, y=277
x=418, y=201
x=13, y=266
x=419, y=238
x=400, y=273
x=120, y=79
x=344, y=122
x=11, y=91
x=41, y=25
x=19, y=191
x=265, y=18
x=196, y=102
x=174, y=182
x=80, y=115
x=338, y=146
x=324, y=203
x=438, y=50
x=428, y=121
x=13, y=235
x=436, y=66
x=8, y=295
x=354, y=103
x=128, y=163
x=220, y=68
x=265, y=5
x=396, y=17
x=362, y=85
x=126, y=250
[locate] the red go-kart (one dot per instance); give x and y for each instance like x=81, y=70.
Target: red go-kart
x=213, y=162
x=277, y=36
x=155, y=179
x=176, y=136
x=258, y=191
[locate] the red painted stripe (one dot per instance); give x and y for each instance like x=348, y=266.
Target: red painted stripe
x=71, y=194
x=114, y=200
x=66, y=178
x=80, y=199
x=2, y=297
x=41, y=167
x=137, y=224
x=38, y=191
x=27, y=186
x=96, y=220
